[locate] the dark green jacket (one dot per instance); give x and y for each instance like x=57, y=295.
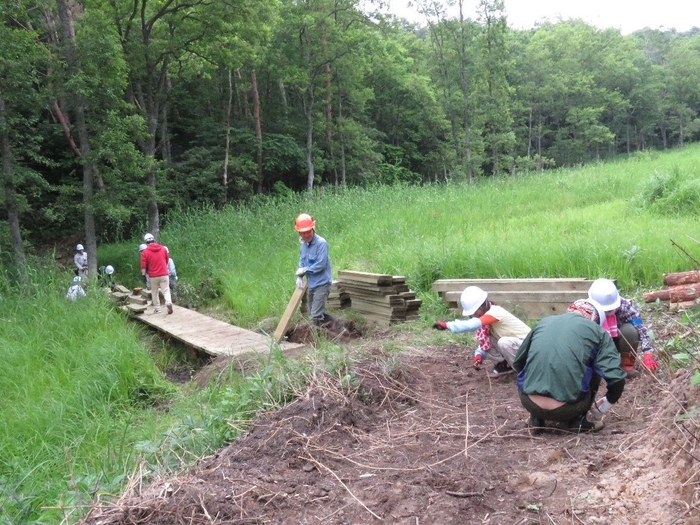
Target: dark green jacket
x=560, y=355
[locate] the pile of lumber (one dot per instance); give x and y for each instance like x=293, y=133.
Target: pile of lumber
x=380, y=298
x=524, y=298
x=682, y=292
x=133, y=301
x=337, y=298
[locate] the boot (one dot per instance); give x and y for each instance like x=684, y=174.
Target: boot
x=627, y=361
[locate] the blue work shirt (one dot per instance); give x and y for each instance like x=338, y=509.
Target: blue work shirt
x=314, y=257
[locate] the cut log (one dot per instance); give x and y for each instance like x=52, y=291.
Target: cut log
x=665, y=295
x=673, y=279
x=683, y=305
x=685, y=294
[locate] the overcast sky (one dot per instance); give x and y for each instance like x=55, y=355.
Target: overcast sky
x=625, y=15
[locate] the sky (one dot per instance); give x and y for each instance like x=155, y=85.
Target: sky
x=625, y=15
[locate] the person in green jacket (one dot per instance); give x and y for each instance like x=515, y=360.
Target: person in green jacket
x=560, y=365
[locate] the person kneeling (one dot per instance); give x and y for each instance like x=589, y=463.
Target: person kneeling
x=560, y=365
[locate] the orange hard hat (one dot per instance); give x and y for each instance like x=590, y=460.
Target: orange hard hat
x=304, y=223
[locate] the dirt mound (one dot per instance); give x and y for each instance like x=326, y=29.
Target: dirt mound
x=426, y=439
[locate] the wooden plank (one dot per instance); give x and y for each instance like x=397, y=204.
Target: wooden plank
x=517, y=297
x=288, y=312
x=524, y=310
x=553, y=284
x=210, y=335
x=365, y=277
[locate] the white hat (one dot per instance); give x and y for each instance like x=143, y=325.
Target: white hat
x=76, y=279
x=603, y=293
x=148, y=238
x=79, y=247
x=142, y=247
x=472, y=298
x=109, y=270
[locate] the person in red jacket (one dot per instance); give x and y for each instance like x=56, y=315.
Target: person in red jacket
x=154, y=260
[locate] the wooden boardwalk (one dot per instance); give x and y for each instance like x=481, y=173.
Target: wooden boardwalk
x=208, y=334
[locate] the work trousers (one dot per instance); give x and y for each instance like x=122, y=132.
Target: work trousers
x=568, y=411
x=317, y=299
x=628, y=340
x=160, y=284
x=504, y=349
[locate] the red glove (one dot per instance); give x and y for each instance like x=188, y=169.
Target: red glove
x=650, y=362
x=440, y=325
x=477, y=361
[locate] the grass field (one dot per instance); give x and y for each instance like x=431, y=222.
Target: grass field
x=83, y=400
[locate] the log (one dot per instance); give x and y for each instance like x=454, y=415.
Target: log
x=684, y=305
x=685, y=294
x=690, y=277
x=665, y=295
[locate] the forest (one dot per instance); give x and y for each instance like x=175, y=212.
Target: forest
x=113, y=113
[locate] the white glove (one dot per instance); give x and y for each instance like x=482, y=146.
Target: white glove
x=300, y=283
x=301, y=272
x=603, y=405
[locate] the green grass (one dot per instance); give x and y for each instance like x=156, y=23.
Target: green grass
x=612, y=220
x=84, y=403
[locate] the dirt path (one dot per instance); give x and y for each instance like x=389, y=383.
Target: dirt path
x=425, y=439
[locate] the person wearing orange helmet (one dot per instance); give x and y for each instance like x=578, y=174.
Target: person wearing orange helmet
x=315, y=265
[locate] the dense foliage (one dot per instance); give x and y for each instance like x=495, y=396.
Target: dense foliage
x=114, y=113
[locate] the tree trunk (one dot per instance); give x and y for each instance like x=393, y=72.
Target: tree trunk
x=68, y=37
x=673, y=279
x=227, y=147
x=341, y=140
x=11, y=204
x=308, y=109
x=258, y=129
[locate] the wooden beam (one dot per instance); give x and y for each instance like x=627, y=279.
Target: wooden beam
x=288, y=312
x=493, y=285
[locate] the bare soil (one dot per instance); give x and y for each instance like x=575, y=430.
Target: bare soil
x=422, y=438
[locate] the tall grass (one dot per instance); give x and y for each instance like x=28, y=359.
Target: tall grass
x=81, y=397
x=612, y=220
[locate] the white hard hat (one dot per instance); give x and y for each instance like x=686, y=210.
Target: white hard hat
x=472, y=298
x=79, y=247
x=109, y=270
x=142, y=247
x=605, y=294
x=76, y=279
x=148, y=238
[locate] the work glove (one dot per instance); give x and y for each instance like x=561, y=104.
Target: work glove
x=650, y=362
x=145, y=280
x=300, y=283
x=301, y=272
x=599, y=408
x=440, y=325
x=478, y=361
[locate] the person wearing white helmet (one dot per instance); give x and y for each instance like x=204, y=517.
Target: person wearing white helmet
x=106, y=277
x=142, y=247
x=172, y=275
x=560, y=366
x=81, y=261
x=154, y=265
x=625, y=326
x=76, y=289
x=498, y=331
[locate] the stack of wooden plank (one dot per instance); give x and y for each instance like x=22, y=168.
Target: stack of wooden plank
x=380, y=298
x=683, y=290
x=525, y=298
x=136, y=302
x=337, y=298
